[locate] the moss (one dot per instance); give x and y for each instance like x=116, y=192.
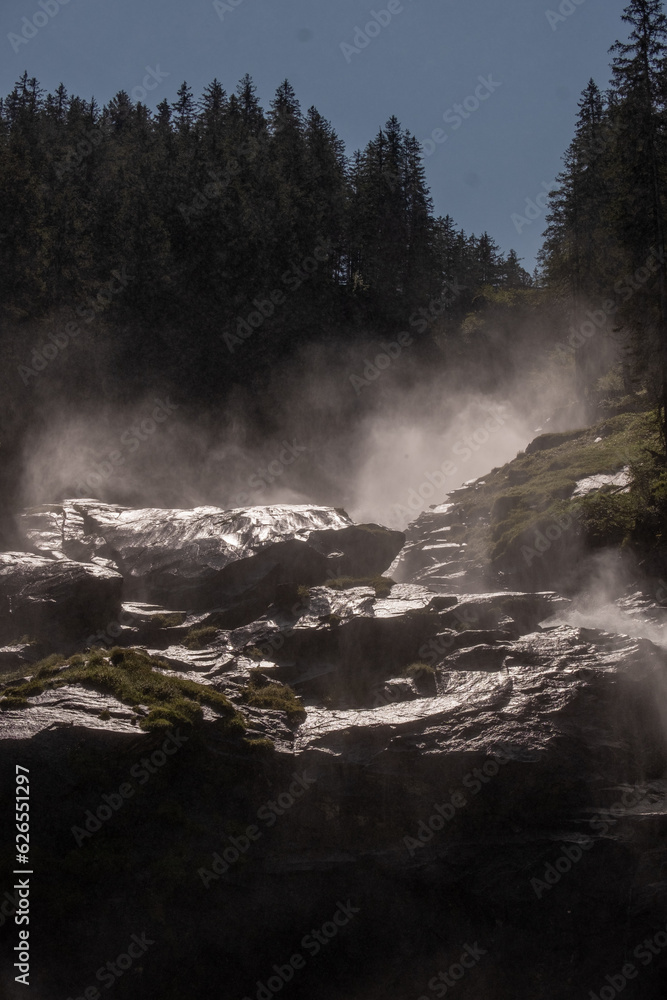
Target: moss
x=134, y=678
x=168, y=621
x=50, y=666
x=13, y=701
x=262, y=693
x=303, y=593
x=27, y=690
x=200, y=638
x=254, y=653
x=420, y=671
x=381, y=584
x=260, y=744
x=535, y=490
x=331, y=619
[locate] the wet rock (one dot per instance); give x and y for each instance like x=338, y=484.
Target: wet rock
x=59, y=600
x=207, y=557
x=487, y=658
x=18, y=655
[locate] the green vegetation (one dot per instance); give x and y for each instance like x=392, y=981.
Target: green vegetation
x=332, y=619
x=420, y=671
x=25, y=640
x=168, y=621
x=534, y=492
x=200, y=638
x=260, y=744
x=131, y=677
x=262, y=693
x=303, y=594
x=381, y=584
x=254, y=653
x=50, y=666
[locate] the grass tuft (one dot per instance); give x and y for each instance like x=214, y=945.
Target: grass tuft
x=133, y=678
x=200, y=638
x=420, y=671
x=262, y=693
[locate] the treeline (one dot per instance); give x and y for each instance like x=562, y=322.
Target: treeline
x=604, y=250
x=213, y=217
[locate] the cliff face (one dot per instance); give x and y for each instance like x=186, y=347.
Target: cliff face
x=315, y=782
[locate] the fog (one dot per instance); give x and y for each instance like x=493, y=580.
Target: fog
x=383, y=447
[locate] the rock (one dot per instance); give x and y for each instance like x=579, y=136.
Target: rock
x=55, y=600
x=618, y=482
x=434, y=804
x=211, y=558
x=18, y=655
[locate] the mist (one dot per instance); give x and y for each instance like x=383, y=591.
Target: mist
x=384, y=452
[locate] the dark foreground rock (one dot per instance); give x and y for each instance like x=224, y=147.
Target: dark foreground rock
x=477, y=775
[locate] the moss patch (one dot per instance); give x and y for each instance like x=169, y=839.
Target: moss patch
x=262, y=693
x=420, y=671
x=200, y=638
x=168, y=621
x=534, y=492
x=131, y=677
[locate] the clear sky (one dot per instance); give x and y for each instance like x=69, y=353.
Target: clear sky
x=418, y=60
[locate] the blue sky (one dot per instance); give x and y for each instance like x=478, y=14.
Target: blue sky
x=418, y=60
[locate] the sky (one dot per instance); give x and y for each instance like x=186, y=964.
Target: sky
x=515, y=69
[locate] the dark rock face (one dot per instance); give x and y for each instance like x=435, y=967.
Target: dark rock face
x=207, y=557
x=51, y=599
x=506, y=794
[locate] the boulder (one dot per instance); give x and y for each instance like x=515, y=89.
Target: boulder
x=55, y=599
x=208, y=557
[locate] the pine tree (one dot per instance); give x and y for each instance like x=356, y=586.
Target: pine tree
x=184, y=109
x=639, y=81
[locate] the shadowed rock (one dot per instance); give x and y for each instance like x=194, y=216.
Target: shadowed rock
x=55, y=599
